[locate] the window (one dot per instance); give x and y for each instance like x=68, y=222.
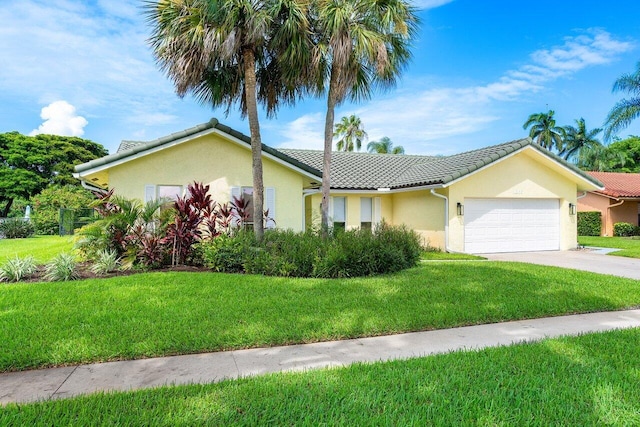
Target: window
x=339, y=212
x=246, y=193
x=366, y=213
x=168, y=192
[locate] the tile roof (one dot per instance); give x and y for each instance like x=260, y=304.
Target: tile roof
x=354, y=170
x=617, y=184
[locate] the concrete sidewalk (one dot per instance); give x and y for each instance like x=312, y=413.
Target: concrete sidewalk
x=57, y=383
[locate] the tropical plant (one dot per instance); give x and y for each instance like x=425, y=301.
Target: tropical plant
x=106, y=262
x=578, y=139
x=359, y=44
x=544, y=130
x=62, y=268
x=601, y=158
x=350, y=133
x=625, y=110
x=15, y=269
x=234, y=52
x=16, y=228
x=384, y=146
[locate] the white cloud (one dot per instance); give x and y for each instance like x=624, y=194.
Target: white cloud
x=304, y=132
x=418, y=117
x=60, y=118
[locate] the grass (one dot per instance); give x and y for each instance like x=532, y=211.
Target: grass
x=586, y=380
x=630, y=246
x=447, y=256
x=43, y=248
x=162, y=313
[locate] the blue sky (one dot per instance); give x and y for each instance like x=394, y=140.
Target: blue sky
x=479, y=69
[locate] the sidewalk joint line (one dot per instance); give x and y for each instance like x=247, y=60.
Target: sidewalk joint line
x=63, y=382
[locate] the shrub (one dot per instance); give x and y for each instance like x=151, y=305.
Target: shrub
x=15, y=269
x=47, y=205
x=228, y=253
x=589, y=223
x=16, y=228
x=344, y=254
x=624, y=229
x=62, y=268
x=106, y=262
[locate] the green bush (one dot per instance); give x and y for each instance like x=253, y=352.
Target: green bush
x=344, y=254
x=228, y=253
x=16, y=228
x=47, y=205
x=624, y=229
x=589, y=223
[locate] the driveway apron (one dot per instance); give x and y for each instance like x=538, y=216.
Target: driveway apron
x=584, y=260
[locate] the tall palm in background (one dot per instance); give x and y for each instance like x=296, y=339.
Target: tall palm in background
x=602, y=159
x=232, y=52
x=350, y=133
x=578, y=139
x=625, y=110
x=361, y=44
x=384, y=146
x=544, y=130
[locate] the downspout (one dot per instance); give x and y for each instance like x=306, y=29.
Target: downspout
x=446, y=218
x=305, y=194
x=609, y=210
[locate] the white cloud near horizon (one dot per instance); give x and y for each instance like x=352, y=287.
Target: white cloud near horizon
x=430, y=4
x=60, y=118
x=417, y=117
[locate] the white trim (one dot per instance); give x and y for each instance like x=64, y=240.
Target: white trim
x=376, y=193
x=190, y=138
x=518, y=151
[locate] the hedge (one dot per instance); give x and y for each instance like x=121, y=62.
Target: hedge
x=589, y=223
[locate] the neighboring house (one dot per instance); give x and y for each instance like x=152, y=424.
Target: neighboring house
x=515, y=196
x=618, y=201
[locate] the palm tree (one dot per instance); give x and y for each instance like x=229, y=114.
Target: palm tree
x=578, y=139
x=360, y=44
x=350, y=132
x=625, y=110
x=384, y=146
x=601, y=158
x=232, y=52
x=544, y=130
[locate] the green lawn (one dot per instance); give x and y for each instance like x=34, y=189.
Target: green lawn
x=153, y=314
x=43, y=248
x=630, y=246
x=446, y=256
x=586, y=380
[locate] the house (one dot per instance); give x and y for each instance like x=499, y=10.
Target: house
x=514, y=196
x=617, y=202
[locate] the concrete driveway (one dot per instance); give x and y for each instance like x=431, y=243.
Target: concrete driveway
x=585, y=260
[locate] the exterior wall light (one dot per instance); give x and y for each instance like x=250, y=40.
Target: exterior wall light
x=460, y=209
x=572, y=209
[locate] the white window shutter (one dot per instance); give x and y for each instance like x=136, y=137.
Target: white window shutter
x=270, y=204
x=377, y=210
x=366, y=209
x=330, y=213
x=149, y=192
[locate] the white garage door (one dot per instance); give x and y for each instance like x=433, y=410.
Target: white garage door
x=511, y=225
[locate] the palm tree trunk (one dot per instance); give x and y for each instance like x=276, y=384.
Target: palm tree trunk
x=328, y=143
x=256, y=141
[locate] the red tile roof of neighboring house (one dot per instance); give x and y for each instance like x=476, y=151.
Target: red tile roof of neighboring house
x=618, y=184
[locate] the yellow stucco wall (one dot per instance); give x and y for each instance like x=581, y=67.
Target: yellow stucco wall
x=515, y=177
x=215, y=161
x=422, y=212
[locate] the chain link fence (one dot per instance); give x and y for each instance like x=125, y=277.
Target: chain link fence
x=72, y=219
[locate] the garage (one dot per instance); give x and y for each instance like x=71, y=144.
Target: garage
x=511, y=225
